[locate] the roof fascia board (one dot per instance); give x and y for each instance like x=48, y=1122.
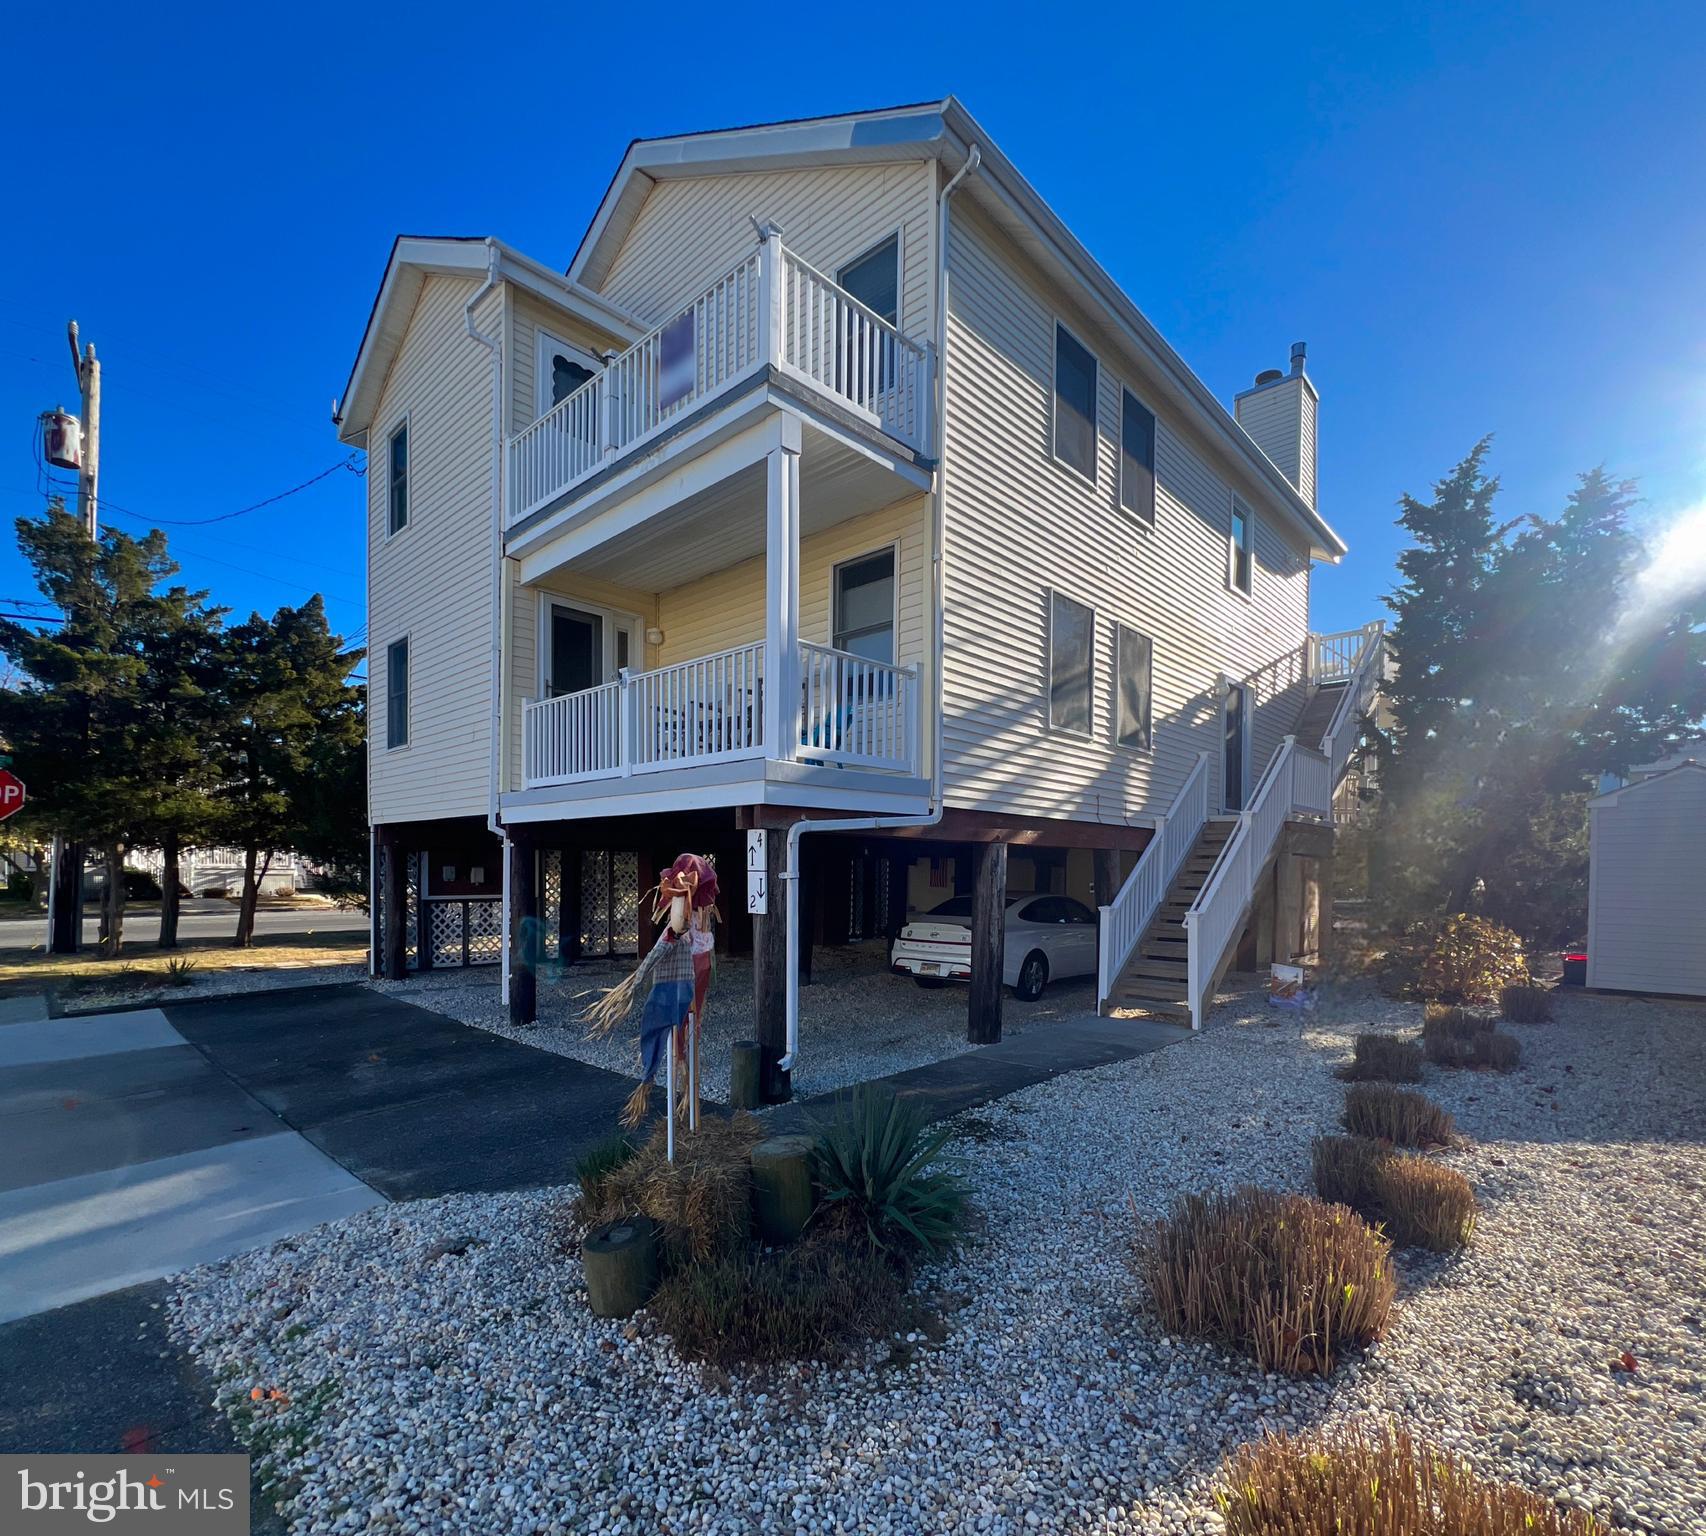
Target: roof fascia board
x=1687, y=765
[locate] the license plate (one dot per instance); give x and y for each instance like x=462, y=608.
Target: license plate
x=932, y=968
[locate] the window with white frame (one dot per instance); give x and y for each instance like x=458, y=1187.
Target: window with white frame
x=1074, y=403
x=397, y=693
x=1137, y=458
x=874, y=279
x=1241, y=550
x=1071, y=663
x=397, y=479
x=1134, y=657
x=863, y=607
x=562, y=370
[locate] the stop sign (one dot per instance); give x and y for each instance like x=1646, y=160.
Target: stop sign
x=11, y=793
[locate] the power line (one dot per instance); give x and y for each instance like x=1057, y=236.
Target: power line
x=348, y=463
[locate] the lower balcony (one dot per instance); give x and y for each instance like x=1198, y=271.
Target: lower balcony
x=837, y=730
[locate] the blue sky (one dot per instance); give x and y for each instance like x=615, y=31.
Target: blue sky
x=1481, y=218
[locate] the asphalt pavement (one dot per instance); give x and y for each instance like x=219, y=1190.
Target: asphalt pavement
x=197, y=920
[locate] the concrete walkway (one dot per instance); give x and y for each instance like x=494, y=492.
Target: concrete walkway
x=125, y=1155
x=958, y=1083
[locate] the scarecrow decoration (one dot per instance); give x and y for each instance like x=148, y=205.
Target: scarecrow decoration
x=678, y=971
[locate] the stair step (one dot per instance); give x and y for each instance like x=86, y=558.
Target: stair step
x=1166, y=969
x=1155, y=990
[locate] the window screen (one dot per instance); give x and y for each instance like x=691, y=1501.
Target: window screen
x=1074, y=404
x=1070, y=653
x=1137, y=458
x=1134, y=665
x=397, y=694
x=399, y=479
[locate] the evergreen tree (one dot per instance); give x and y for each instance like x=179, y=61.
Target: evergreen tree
x=291, y=720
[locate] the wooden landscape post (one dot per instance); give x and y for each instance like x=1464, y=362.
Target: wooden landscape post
x=988, y=942
x=523, y=935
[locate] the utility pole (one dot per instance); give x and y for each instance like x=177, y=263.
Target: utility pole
x=88, y=477
x=65, y=891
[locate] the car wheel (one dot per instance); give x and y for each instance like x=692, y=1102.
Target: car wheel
x=1033, y=977
x=929, y=983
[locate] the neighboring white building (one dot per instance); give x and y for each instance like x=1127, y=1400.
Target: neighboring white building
x=1647, y=880
x=834, y=478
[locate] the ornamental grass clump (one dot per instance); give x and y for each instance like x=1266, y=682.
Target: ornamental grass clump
x=1383, y=1058
x=1417, y=1202
x=1526, y=1005
x=1377, y=1482
x=1405, y=1119
x=1468, y=960
x=1454, y=1038
x=878, y=1172
x=1289, y=1280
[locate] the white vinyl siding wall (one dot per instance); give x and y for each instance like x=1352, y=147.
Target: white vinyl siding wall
x=1647, y=887
x=1019, y=523
x=692, y=230
x=432, y=581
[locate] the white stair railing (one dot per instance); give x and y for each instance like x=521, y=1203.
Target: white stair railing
x=1363, y=683
x=1127, y=917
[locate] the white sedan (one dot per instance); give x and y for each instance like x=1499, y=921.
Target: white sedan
x=1048, y=938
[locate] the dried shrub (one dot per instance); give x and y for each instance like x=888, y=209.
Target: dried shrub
x=877, y=1168
x=1416, y=1201
x=1453, y=1038
x=1289, y=1280
x=1469, y=960
x=1396, y=1115
x=1526, y=1005
x=1383, y=1058
x=1449, y=1034
x=1423, y=1204
x=811, y=1301
x=1380, y=1483
x=702, y=1202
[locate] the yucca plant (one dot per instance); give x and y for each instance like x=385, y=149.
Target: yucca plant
x=875, y=1170
x=180, y=971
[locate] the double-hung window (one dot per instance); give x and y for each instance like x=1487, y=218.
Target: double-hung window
x=1071, y=663
x=1074, y=403
x=398, y=479
x=864, y=607
x=1240, y=553
x=865, y=361
x=1134, y=656
x=1137, y=458
x=397, y=693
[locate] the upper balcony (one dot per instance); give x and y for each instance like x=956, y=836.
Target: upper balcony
x=772, y=311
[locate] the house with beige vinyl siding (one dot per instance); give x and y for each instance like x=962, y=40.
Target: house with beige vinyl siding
x=834, y=490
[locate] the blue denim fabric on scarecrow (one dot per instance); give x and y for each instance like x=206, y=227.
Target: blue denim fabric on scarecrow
x=666, y=1007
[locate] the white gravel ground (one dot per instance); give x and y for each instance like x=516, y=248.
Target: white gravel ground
x=858, y=1020
x=224, y=983
x=474, y=1393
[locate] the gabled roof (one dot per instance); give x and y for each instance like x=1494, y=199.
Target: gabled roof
x=941, y=130
x=1635, y=786
x=413, y=259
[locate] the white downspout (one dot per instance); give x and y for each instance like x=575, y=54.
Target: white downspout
x=500, y=589
x=791, y=858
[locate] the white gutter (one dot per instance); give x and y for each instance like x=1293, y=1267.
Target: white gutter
x=938, y=521
x=500, y=588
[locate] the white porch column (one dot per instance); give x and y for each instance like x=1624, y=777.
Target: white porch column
x=782, y=594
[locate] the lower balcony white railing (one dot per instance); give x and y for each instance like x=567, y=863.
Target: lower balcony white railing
x=771, y=309
x=852, y=712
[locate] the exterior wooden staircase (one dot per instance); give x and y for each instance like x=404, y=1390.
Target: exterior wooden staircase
x=1155, y=978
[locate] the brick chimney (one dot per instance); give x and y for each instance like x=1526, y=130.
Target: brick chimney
x=1279, y=412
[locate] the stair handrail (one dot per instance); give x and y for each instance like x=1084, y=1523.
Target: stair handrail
x=1127, y=917
x=1360, y=689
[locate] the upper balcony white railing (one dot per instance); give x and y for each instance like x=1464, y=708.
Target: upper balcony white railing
x=771, y=309
x=852, y=712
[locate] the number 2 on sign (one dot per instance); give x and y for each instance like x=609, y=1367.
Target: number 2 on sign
x=758, y=894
